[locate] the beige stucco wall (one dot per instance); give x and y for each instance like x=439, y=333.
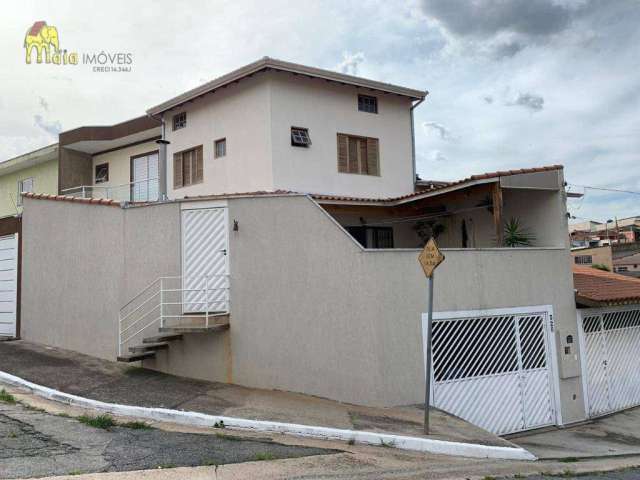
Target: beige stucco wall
x=119, y=169
x=256, y=116
x=45, y=180
x=239, y=113
x=327, y=109
x=313, y=312
x=81, y=263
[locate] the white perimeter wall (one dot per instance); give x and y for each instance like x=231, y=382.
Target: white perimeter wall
x=313, y=312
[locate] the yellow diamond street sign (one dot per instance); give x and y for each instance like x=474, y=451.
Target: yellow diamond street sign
x=430, y=257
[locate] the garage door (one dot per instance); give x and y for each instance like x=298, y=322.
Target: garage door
x=493, y=368
x=610, y=342
x=8, y=284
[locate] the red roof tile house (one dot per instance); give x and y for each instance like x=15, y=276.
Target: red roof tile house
x=310, y=281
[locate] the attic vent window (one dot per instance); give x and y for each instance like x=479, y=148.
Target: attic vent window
x=300, y=137
x=180, y=121
x=367, y=103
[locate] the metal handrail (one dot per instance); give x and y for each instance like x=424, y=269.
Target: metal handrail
x=157, y=300
x=108, y=189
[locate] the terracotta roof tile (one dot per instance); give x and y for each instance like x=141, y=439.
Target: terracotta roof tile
x=70, y=198
x=472, y=178
x=605, y=288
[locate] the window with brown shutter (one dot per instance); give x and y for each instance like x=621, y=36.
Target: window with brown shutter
x=188, y=167
x=359, y=155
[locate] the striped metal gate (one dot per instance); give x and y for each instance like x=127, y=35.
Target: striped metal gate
x=610, y=348
x=493, y=368
x=205, y=265
x=8, y=284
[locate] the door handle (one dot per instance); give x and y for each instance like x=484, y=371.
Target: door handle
x=223, y=251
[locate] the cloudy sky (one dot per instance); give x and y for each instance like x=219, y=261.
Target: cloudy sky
x=512, y=83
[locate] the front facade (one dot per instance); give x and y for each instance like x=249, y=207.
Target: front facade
x=263, y=229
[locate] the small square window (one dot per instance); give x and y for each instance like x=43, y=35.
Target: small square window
x=300, y=137
x=102, y=173
x=25, y=185
x=367, y=103
x=180, y=121
x=220, y=148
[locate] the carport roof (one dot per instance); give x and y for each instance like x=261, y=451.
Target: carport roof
x=436, y=187
x=596, y=287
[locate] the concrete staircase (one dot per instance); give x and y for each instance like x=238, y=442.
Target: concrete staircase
x=168, y=334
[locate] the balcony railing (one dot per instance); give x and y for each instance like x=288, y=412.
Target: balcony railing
x=139, y=191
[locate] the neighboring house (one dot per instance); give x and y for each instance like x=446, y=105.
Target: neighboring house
x=36, y=171
x=613, y=232
x=283, y=253
x=589, y=256
x=609, y=337
x=628, y=265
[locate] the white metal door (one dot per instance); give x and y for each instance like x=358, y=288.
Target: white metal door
x=8, y=284
x=205, y=265
x=610, y=346
x=493, y=368
x=145, y=178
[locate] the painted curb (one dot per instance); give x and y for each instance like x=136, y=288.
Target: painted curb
x=204, y=420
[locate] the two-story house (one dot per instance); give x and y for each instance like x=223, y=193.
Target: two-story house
x=263, y=229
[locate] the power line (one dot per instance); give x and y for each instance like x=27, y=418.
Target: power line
x=588, y=187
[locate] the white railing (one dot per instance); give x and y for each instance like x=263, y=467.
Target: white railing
x=195, y=301
x=139, y=191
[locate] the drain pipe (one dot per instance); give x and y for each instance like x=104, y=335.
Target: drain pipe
x=162, y=160
x=413, y=139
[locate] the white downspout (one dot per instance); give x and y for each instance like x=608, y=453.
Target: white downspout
x=413, y=140
x=162, y=162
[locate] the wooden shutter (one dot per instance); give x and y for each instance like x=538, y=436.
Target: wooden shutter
x=178, y=180
x=198, y=174
x=364, y=162
x=187, y=164
x=343, y=154
x=353, y=155
x=373, y=156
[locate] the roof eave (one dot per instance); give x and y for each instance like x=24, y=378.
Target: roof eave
x=269, y=63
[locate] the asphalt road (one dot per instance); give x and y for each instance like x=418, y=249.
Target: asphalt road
x=34, y=444
x=627, y=474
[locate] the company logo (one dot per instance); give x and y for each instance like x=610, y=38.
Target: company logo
x=42, y=42
x=44, y=39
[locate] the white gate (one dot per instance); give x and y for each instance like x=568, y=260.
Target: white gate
x=8, y=284
x=494, y=368
x=610, y=346
x=205, y=265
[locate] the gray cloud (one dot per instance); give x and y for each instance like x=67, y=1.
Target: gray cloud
x=51, y=127
x=485, y=18
x=507, y=50
x=350, y=62
x=443, y=132
x=530, y=101
x=488, y=99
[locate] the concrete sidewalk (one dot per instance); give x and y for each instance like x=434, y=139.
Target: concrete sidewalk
x=615, y=435
x=106, y=381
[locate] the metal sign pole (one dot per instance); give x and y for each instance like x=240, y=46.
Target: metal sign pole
x=427, y=393
x=429, y=259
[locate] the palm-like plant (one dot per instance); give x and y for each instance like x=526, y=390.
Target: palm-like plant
x=515, y=235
